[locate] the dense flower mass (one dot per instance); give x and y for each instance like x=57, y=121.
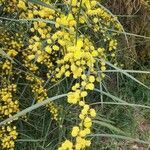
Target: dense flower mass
x=71, y=40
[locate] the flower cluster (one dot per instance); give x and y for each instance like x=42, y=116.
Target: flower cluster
x=8, y=106
x=77, y=96
x=70, y=40
x=40, y=94
x=9, y=103
x=8, y=135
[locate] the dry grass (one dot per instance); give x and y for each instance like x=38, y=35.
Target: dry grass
x=135, y=18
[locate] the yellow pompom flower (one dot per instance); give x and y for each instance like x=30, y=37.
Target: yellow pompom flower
x=40, y=58
x=81, y=116
x=82, y=133
x=92, y=112
x=90, y=86
x=81, y=103
x=87, y=122
x=75, y=131
x=83, y=83
x=67, y=73
x=91, y=79
x=83, y=77
x=86, y=107
x=48, y=49
x=103, y=68
x=67, y=145
x=88, y=143
x=83, y=94
x=55, y=47
x=73, y=97
x=22, y=5
x=49, y=41
x=30, y=57
x=84, y=111
x=87, y=131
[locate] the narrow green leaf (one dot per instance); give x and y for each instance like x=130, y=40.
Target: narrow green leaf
x=33, y=19
x=111, y=96
x=127, y=74
x=109, y=126
x=31, y=108
x=78, y=16
x=123, y=104
x=120, y=137
x=29, y=140
x=128, y=71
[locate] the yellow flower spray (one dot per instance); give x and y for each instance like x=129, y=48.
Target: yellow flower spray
x=62, y=41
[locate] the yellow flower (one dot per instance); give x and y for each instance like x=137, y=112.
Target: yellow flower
x=100, y=50
x=94, y=53
x=40, y=58
x=81, y=116
x=55, y=47
x=67, y=74
x=77, y=73
x=49, y=41
x=87, y=130
x=77, y=54
x=74, y=2
x=78, y=146
x=75, y=131
x=91, y=79
x=22, y=5
x=42, y=13
x=84, y=77
x=93, y=3
x=80, y=143
x=83, y=83
x=113, y=55
x=81, y=103
x=30, y=15
x=92, y=112
x=67, y=145
x=82, y=133
x=83, y=94
x=103, y=63
x=30, y=57
x=48, y=49
x=79, y=43
x=84, y=111
x=86, y=107
x=87, y=3
x=73, y=97
x=87, y=122
x=103, y=68
x=88, y=143
x=95, y=20
x=90, y=86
